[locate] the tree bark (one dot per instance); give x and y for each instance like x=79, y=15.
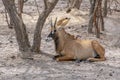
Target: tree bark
x=49, y=6
x=19, y=26
x=96, y=18
x=92, y=3
x=92, y=13
x=20, y=7
x=105, y=9
x=117, y=44
x=74, y=4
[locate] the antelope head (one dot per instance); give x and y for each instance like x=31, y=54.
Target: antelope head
x=56, y=28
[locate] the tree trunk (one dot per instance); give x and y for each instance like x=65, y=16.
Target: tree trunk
x=74, y=4
x=105, y=10
x=20, y=7
x=96, y=18
x=20, y=10
x=117, y=44
x=19, y=26
x=91, y=20
x=37, y=33
x=92, y=3
x=101, y=18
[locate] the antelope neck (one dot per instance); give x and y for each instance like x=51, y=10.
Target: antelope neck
x=61, y=38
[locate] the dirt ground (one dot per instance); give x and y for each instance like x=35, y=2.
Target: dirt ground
x=12, y=67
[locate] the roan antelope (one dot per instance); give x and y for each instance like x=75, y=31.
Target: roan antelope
x=70, y=48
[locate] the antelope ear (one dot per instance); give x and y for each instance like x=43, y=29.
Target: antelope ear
x=62, y=22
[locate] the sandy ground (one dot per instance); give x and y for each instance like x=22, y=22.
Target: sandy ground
x=12, y=67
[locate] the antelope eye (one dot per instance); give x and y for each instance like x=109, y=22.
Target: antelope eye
x=54, y=30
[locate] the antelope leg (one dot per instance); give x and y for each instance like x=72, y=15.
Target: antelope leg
x=100, y=51
x=96, y=59
x=64, y=58
x=56, y=56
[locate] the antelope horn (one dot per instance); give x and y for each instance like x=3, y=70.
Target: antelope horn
x=51, y=23
x=55, y=23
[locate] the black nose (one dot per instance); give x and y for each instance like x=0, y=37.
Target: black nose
x=50, y=35
x=48, y=39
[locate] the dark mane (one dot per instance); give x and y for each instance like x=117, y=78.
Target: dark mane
x=56, y=41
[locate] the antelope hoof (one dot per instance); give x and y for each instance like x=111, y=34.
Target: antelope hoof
x=78, y=60
x=57, y=59
x=90, y=59
x=54, y=58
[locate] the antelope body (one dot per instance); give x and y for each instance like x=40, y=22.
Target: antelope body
x=68, y=47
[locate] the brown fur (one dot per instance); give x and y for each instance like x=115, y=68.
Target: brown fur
x=71, y=48
x=61, y=40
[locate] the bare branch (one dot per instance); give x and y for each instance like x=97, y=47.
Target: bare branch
x=6, y=16
x=37, y=7
x=25, y=1
x=45, y=3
